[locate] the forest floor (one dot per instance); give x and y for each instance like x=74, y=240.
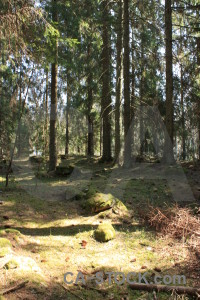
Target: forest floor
x=55, y=235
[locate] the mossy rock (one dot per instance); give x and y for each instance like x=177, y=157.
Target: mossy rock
x=5, y=247
x=12, y=264
x=64, y=170
x=90, y=192
x=104, y=233
x=4, y=232
x=5, y=243
x=13, y=231
x=119, y=207
x=100, y=202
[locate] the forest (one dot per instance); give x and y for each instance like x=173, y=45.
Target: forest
x=99, y=149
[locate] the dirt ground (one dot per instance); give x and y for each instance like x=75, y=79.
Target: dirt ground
x=55, y=235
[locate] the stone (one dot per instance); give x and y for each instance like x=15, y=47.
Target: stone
x=100, y=202
x=12, y=264
x=4, y=232
x=104, y=233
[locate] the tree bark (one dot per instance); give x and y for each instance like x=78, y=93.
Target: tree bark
x=127, y=108
x=198, y=105
x=132, y=85
x=106, y=97
x=19, y=146
x=53, y=114
x=168, y=148
x=90, y=148
x=142, y=138
x=46, y=114
x=119, y=47
x=67, y=114
x=182, y=117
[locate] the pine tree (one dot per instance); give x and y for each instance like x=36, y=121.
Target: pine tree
x=54, y=81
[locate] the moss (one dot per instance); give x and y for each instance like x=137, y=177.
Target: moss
x=91, y=192
x=104, y=232
x=4, y=243
x=5, y=247
x=2, y=232
x=12, y=264
x=99, y=202
x=120, y=206
x=5, y=251
x=11, y=230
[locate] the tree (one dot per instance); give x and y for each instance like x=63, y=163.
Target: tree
x=54, y=81
x=127, y=107
x=106, y=97
x=198, y=105
x=119, y=46
x=168, y=148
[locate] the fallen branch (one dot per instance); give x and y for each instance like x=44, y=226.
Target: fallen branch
x=14, y=288
x=163, y=288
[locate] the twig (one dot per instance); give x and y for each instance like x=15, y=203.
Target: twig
x=14, y=288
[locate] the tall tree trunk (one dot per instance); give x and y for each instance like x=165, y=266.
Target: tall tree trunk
x=127, y=107
x=142, y=140
x=168, y=148
x=106, y=97
x=20, y=107
x=182, y=116
x=46, y=114
x=132, y=82
x=118, y=80
x=67, y=114
x=198, y=105
x=53, y=114
x=90, y=148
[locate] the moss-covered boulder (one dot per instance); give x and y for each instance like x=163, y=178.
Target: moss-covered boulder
x=11, y=264
x=5, y=247
x=119, y=208
x=104, y=233
x=100, y=202
x=4, y=232
x=64, y=169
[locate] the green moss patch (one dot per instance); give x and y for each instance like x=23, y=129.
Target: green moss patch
x=101, y=202
x=12, y=264
x=5, y=247
x=104, y=232
x=5, y=243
